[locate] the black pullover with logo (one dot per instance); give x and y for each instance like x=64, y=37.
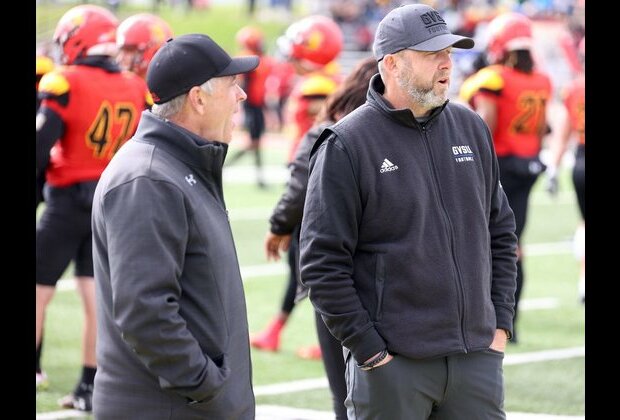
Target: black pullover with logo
x=407, y=239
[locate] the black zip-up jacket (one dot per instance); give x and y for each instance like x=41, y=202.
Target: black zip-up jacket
x=173, y=339
x=407, y=239
x=289, y=209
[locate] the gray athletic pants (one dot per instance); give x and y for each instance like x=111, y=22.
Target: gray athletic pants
x=464, y=386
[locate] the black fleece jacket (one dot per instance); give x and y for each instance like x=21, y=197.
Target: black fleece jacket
x=171, y=310
x=289, y=209
x=407, y=239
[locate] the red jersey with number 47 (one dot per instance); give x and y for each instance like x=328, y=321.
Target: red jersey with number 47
x=520, y=99
x=100, y=111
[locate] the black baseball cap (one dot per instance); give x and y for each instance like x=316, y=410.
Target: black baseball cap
x=415, y=27
x=190, y=60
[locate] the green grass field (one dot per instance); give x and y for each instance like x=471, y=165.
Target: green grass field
x=554, y=386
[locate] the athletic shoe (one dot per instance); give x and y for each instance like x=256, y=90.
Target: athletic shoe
x=310, y=352
x=269, y=339
x=42, y=382
x=82, y=399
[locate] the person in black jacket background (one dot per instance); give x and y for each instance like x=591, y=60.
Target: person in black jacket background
x=407, y=242
x=285, y=220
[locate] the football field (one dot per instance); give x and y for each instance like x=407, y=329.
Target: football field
x=544, y=372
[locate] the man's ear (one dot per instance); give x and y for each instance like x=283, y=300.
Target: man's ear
x=195, y=98
x=389, y=62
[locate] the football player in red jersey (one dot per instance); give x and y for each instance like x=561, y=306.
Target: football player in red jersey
x=311, y=45
x=511, y=96
x=138, y=38
x=251, y=40
x=89, y=108
x=574, y=128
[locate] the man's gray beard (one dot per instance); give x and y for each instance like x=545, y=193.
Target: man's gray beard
x=425, y=97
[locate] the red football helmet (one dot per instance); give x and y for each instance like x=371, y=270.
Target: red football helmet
x=508, y=32
x=138, y=38
x=314, y=40
x=86, y=30
x=251, y=38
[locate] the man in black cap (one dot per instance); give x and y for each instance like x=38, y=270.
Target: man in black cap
x=173, y=339
x=407, y=241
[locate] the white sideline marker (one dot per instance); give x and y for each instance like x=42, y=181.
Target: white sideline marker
x=544, y=355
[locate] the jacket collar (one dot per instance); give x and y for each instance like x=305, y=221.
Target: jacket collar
x=202, y=154
x=402, y=116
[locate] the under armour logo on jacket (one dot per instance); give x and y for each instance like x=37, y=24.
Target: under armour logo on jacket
x=190, y=179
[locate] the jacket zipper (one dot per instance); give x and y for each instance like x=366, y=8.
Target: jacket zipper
x=449, y=232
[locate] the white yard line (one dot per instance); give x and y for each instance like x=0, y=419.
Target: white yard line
x=548, y=248
x=544, y=355
x=276, y=412
x=293, y=386
x=538, y=303
x=510, y=359
x=263, y=270
x=62, y=414
x=532, y=416
x=248, y=272
x=272, y=269
x=272, y=412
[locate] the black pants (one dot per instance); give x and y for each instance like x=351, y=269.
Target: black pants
x=333, y=361
x=464, y=386
x=288, y=302
x=331, y=350
x=64, y=232
x=517, y=181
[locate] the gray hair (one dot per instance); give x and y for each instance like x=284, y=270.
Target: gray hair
x=173, y=106
x=381, y=68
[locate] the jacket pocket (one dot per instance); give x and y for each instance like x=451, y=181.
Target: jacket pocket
x=379, y=285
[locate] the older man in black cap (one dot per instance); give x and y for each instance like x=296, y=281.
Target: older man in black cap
x=407, y=242
x=173, y=338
